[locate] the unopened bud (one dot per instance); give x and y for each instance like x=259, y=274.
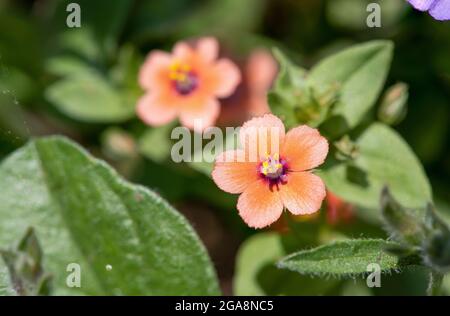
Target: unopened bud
x=393, y=107
x=346, y=149
x=118, y=144
x=402, y=223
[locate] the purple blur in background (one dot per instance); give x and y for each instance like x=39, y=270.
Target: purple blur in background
x=439, y=9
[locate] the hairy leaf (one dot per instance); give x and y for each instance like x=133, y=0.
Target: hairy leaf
x=126, y=239
x=350, y=257
x=256, y=273
x=404, y=224
x=360, y=71
x=384, y=159
x=89, y=97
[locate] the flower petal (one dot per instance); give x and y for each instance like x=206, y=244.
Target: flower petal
x=441, y=10
x=303, y=193
x=422, y=5
x=304, y=148
x=262, y=135
x=232, y=174
x=183, y=51
x=198, y=113
x=153, y=72
x=208, y=48
x=153, y=110
x=257, y=105
x=261, y=70
x=227, y=78
x=259, y=206
x=337, y=209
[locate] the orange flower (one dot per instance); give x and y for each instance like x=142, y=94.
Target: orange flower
x=250, y=99
x=338, y=210
x=261, y=71
x=186, y=84
x=278, y=178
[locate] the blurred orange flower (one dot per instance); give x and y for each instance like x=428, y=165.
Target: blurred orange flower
x=279, y=178
x=186, y=84
x=337, y=209
x=250, y=99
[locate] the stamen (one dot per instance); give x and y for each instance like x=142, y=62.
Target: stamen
x=273, y=169
x=184, y=79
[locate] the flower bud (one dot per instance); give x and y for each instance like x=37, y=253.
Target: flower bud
x=393, y=107
x=117, y=144
x=404, y=226
x=346, y=149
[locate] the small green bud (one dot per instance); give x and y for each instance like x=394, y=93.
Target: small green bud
x=404, y=226
x=346, y=149
x=393, y=106
x=327, y=97
x=312, y=106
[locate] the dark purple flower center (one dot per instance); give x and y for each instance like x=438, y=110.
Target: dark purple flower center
x=273, y=169
x=184, y=80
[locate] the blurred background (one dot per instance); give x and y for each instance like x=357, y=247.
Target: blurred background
x=82, y=82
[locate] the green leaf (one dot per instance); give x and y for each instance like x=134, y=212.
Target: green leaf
x=256, y=273
x=289, y=84
x=6, y=287
x=83, y=43
x=349, y=258
x=384, y=160
x=296, y=102
x=67, y=66
x=360, y=71
x=84, y=213
x=290, y=75
x=89, y=97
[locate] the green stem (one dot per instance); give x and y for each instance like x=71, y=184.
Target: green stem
x=435, y=282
